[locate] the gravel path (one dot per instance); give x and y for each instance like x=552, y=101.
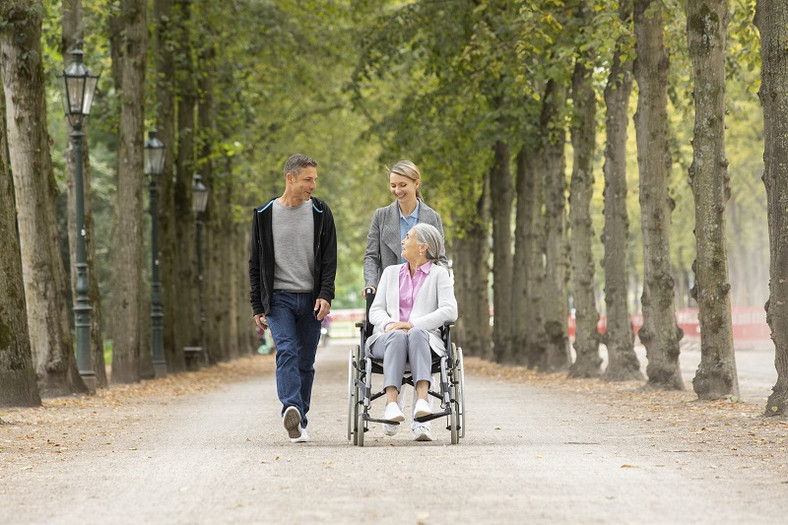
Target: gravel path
x=533, y=453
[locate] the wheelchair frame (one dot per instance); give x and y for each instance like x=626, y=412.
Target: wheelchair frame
x=360, y=394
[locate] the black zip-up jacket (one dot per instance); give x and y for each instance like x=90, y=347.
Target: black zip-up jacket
x=261, y=257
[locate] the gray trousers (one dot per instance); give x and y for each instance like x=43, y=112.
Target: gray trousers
x=397, y=348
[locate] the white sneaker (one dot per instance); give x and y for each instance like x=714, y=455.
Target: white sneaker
x=390, y=430
x=422, y=433
x=302, y=438
x=393, y=412
x=292, y=422
x=421, y=409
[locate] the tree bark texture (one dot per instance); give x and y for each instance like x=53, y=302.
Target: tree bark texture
x=166, y=38
x=501, y=188
x=660, y=333
x=35, y=192
x=17, y=375
x=528, y=266
x=771, y=18
x=214, y=283
x=583, y=132
x=185, y=321
x=619, y=338
x=72, y=33
x=222, y=254
x=247, y=340
x=127, y=246
x=471, y=270
x=707, y=31
x=556, y=251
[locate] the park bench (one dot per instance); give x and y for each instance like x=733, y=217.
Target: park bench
x=194, y=356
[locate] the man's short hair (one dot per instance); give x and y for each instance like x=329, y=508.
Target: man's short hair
x=298, y=162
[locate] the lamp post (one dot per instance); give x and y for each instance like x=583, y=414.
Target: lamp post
x=154, y=166
x=79, y=86
x=199, y=203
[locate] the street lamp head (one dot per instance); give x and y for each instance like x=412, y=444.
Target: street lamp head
x=154, y=154
x=199, y=195
x=79, y=86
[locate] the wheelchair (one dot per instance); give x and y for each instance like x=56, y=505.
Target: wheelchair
x=361, y=368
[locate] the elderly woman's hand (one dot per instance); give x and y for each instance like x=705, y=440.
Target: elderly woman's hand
x=399, y=325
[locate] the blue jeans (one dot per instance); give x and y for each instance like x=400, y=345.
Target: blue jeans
x=296, y=333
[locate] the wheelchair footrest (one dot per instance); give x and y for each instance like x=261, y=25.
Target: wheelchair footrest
x=434, y=415
x=376, y=420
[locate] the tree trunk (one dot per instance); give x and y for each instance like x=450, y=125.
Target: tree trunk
x=186, y=318
x=17, y=375
x=165, y=124
x=622, y=362
x=707, y=30
x=771, y=19
x=471, y=254
x=501, y=188
x=46, y=288
x=556, y=257
x=536, y=340
x=72, y=33
x=245, y=334
x=660, y=334
x=127, y=249
x=587, y=361
x=214, y=296
x=528, y=267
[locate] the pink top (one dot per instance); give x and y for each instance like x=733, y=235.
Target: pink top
x=409, y=287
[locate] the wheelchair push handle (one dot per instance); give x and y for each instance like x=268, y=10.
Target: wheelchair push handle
x=369, y=294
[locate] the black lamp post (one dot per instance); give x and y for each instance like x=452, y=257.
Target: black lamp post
x=79, y=85
x=199, y=203
x=154, y=166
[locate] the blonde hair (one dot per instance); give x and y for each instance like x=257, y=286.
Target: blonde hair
x=407, y=169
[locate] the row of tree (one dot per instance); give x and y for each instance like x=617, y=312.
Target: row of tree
x=489, y=97
x=509, y=86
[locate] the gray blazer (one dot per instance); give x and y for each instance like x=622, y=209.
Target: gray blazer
x=383, y=240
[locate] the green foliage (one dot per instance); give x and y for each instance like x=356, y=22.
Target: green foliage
x=361, y=84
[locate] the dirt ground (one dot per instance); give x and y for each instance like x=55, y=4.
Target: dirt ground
x=208, y=447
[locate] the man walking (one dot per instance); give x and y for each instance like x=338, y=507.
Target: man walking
x=292, y=265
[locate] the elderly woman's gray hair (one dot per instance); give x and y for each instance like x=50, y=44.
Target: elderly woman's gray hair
x=429, y=235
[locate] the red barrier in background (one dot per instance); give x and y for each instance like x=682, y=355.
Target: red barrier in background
x=749, y=324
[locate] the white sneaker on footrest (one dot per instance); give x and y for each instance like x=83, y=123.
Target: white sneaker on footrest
x=421, y=409
x=393, y=412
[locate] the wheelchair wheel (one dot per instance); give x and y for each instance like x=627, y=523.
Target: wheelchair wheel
x=454, y=403
x=351, y=392
x=359, y=439
x=460, y=391
x=453, y=416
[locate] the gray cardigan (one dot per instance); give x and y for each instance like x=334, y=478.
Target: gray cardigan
x=383, y=240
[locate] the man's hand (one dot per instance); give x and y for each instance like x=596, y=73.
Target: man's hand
x=260, y=321
x=322, y=307
x=399, y=325
x=364, y=291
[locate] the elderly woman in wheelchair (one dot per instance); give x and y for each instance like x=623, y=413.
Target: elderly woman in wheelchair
x=413, y=302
